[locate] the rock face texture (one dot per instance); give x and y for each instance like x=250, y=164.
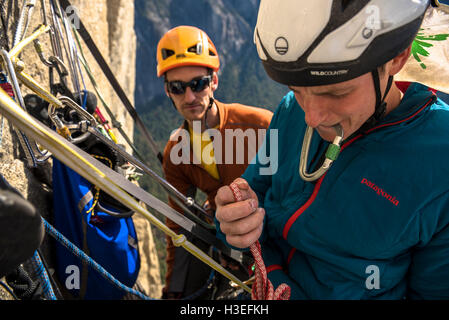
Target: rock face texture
x=111, y=25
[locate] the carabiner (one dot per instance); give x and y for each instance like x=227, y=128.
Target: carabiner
x=332, y=152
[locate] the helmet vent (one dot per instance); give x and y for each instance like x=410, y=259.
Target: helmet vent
x=192, y=49
x=211, y=53
x=166, y=53
x=198, y=48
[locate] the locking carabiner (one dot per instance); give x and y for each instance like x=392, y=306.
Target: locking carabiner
x=332, y=152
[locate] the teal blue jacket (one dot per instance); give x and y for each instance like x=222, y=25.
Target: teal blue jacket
x=376, y=225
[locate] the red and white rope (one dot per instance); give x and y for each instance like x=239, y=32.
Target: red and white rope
x=262, y=288
x=7, y=87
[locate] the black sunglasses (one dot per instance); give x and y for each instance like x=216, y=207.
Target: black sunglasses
x=197, y=85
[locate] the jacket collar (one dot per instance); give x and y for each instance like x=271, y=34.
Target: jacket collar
x=416, y=95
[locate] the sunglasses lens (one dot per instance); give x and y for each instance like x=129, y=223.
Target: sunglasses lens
x=176, y=87
x=197, y=85
x=200, y=84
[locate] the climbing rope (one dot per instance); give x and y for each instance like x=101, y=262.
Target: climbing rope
x=262, y=288
x=89, y=261
x=42, y=275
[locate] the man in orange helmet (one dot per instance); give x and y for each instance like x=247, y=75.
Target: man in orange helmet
x=188, y=61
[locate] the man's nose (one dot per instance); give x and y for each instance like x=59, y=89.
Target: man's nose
x=316, y=112
x=189, y=95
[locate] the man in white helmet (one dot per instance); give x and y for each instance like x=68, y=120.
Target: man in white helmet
x=376, y=223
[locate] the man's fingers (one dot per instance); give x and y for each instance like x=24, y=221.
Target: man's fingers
x=245, y=190
x=245, y=240
x=236, y=210
x=226, y=196
x=244, y=225
x=241, y=183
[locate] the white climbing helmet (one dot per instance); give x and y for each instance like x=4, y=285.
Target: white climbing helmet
x=319, y=42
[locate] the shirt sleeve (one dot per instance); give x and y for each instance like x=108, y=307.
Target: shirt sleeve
x=259, y=172
x=264, y=165
x=276, y=269
x=428, y=276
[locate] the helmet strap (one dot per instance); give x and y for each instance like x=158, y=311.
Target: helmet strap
x=381, y=105
x=211, y=103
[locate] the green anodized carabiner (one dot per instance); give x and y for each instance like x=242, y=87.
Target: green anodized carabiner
x=332, y=152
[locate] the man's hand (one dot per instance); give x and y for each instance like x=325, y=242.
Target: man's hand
x=242, y=221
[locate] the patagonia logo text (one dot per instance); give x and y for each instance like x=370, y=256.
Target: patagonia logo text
x=380, y=191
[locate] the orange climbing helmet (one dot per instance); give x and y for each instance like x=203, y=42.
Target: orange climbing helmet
x=186, y=46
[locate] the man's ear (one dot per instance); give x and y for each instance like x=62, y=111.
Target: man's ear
x=214, y=81
x=399, y=61
x=165, y=89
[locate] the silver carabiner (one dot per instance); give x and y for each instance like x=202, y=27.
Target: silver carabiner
x=332, y=152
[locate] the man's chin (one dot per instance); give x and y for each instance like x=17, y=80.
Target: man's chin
x=193, y=114
x=327, y=134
